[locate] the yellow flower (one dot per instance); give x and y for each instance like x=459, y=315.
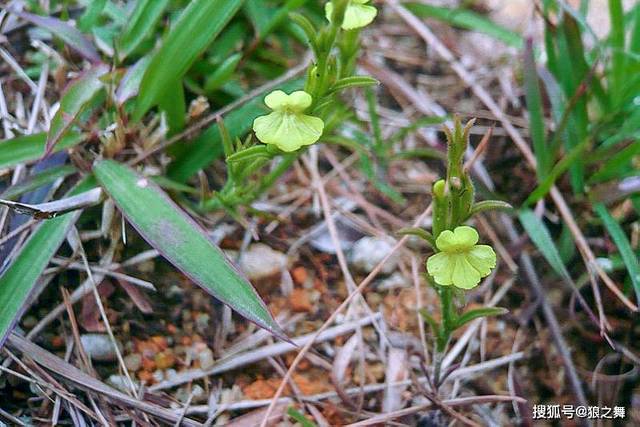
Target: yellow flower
x=357, y=15
x=460, y=261
x=287, y=127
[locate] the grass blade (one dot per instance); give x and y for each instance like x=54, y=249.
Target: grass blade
x=36, y=181
x=629, y=258
x=130, y=83
x=75, y=99
x=197, y=27
x=70, y=35
x=140, y=25
x=536, y=114
x=616, y=15
x=19, y=279
x=468, y=20
x=181, y=241
x=539, y=235
x=29, y=148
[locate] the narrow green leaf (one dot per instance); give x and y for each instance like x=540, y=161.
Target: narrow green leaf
x=536, y=114
x=88, y=20
x=140, y=25
x=539, y=235
x=476, y=313
x=466, y=19
x=622, y=242
x=617, y=36
x=301, y=419
x=560, y=168
x=174, y=105
x=74, y=100
x=182, y=241
x=35, y=181
x=20, y=277
x=419, y=232
x=29, y=148
x=70, y=35
x=197, y=27
x=353, y=81
x=489, y=205
x=130, y=83
x=222, y=73
x=430, y=320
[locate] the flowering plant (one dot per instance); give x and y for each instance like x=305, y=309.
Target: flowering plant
x=302, y=117
x=459, y=262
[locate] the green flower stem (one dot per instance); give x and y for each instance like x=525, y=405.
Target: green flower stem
x=452, y=201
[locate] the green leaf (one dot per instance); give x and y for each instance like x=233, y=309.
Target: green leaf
x=222, y=74
x=539, y=235
x=467, y=19
x=140, y=25
x=182, y=241
x=419, y=232
x=35, y=181
x=130, y=83
x=197, y=27
x=353, y=81
x=476, y=313
x=488, y=205
x=556, y=172
x=430, y=320
x=19, y=279
x=29, y=148
x=91, y=15
x=620, y=239
x=74, y=100
x=70, y=35
x=297, y=416
x=533, y=97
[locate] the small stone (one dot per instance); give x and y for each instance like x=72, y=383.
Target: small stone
x=120, y=382
x=133, y=362
x=205, y=357
x=261, y=262
x=299, y=300
x=99, y=347
x=396, y=280
x=171, y=374
x=367, y=253
x=202, y=322
x=29, y=322
x=158, y=375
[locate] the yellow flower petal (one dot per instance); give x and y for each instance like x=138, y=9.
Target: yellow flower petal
x=299, y=101
x=288, y=131
x=462, y=238
x=440, y=267
x=482, y=258
x=357, y=15
x=276, y=100
x=464, y=275
x=460, y=261
x=286, y=127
